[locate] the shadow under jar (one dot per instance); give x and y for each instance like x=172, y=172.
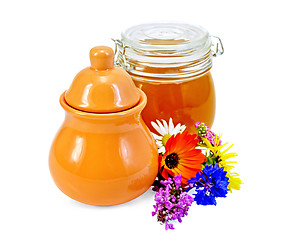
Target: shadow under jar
x=171, y=63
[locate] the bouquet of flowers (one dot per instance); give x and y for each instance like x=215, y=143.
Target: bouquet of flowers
x=192, y=168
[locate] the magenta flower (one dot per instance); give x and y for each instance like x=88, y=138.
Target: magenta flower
x=172, y=202
x=204, y=131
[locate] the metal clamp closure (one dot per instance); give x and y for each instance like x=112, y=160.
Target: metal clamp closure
x=120, y=58
x=217, y=46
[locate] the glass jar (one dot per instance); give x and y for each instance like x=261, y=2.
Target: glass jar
x=171, y=63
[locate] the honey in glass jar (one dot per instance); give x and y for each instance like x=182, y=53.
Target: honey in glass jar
x=171, y=63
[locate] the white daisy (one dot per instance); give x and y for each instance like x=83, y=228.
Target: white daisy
x=165, y=131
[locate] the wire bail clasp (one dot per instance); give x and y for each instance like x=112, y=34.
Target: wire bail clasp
x=120, y=58
x=217, y=46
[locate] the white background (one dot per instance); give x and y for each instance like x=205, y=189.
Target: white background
x=43, y=45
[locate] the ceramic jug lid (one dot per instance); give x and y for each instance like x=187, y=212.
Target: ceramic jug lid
x=102, y=87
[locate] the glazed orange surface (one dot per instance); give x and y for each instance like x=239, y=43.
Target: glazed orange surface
x=103, y=159
x=187, y=102
x=102, y=87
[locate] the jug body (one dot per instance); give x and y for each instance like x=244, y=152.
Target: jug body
x=103, y=159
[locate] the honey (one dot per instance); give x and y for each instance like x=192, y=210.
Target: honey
x=188, y=102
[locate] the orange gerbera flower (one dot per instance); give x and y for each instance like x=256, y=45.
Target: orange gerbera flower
x=181, y=157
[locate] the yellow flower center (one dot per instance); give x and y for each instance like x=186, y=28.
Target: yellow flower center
x=165, y=139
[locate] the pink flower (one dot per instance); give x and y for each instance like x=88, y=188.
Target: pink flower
x=204, y=131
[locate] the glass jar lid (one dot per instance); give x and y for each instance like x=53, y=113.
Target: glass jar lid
x=165, y=36
x=164, y=51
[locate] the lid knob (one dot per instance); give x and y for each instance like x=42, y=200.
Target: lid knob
x=102, y=58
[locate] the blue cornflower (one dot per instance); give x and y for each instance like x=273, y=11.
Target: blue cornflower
x=209, y=183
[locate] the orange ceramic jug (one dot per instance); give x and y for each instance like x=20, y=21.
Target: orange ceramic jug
x=103, y=153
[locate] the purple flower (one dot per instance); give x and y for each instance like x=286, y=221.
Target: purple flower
x=204, y=131
x=172, y=202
